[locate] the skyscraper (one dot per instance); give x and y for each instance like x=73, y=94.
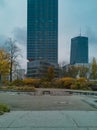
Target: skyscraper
x=79, y=50
x=42, y=30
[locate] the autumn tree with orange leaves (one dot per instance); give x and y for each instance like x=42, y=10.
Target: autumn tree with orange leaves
x=4, y=63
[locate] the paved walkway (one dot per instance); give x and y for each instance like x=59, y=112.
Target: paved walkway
x=92, y=101
x=49, y=120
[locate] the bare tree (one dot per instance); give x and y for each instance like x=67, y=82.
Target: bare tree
x=61, y=70
x=14, y=52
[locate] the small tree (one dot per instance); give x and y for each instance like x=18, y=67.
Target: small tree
x=14, y=52
x=83, y=71
x=50, y=73
x=71, y=72
x=4, y=63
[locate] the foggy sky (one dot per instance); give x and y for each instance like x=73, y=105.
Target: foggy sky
x=74, y=15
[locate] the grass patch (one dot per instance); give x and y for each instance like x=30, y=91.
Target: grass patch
x=4, y=108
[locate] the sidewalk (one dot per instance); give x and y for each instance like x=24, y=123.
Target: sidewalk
x=49, y=120
x=92, y=101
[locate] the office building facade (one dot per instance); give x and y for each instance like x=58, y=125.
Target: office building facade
x=39, y=68
x=42, y=30
x=79, y=50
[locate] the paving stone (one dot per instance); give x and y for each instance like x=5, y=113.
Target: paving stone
x=31, y=128
x=35, y=129
x=49, y=120
x=92, y=129
x=8, y=118
x=81, y=128
x=84, y=118
x=43, y=119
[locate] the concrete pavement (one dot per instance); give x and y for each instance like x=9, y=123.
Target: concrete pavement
x=25, y=102
x=49, y=120
x=62, y=112
x=91, y=100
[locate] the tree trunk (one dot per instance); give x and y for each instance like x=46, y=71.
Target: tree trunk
x=11, y=71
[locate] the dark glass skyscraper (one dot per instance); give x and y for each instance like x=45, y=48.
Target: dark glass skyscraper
x=79, y=50
x=42, y=30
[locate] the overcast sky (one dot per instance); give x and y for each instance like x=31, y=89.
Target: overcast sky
x=74, y=15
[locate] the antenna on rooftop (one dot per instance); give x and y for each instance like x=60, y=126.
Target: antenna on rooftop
x=80, y=31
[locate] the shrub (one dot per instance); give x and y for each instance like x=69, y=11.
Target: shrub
x=26, y=88
x=64, y=82
x=92, y=86
x=32, y=82
x=46, y=84
x=6, y=88
x=1, y=112
x=4, y=108
x=81, y=80
x=73, y=86
x=68, y=82
x=5, y=82
x=17, y=82
x=78, y=85
x=82, y=84
x=59, y=83
x=9, y=88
